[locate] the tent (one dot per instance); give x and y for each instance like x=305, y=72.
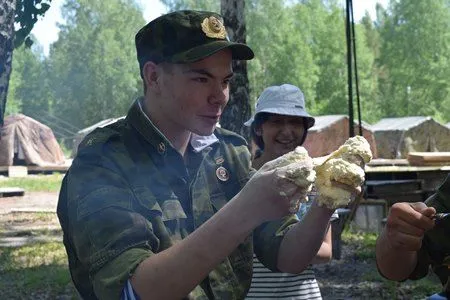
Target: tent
x=331, y=131
x=83, y=132
x=26, y=141
x=395, y=137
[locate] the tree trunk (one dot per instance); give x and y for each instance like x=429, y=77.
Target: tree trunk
x=7, y=10
x=238, y=109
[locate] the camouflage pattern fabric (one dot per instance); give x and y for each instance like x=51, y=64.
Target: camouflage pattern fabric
x=129, y=195
x=435, y=251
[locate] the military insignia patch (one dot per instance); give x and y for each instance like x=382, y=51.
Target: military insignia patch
x=222, y=174
x=213, y=28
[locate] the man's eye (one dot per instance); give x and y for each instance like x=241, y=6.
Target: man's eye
x=201, y=79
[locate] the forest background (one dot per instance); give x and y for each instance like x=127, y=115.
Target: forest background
x=91, y=74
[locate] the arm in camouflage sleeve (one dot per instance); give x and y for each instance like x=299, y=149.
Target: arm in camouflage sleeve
x=173, y=273
x=113, y=241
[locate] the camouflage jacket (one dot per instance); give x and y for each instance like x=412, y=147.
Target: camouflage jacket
x=435, y=251
x=129, y=194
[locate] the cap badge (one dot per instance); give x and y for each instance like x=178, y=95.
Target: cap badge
x=222, y=174
x=213, y=28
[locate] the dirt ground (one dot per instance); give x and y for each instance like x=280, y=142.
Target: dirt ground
x=347, y=278
x=31, y=201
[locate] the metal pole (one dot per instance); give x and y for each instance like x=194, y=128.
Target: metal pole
x=358, y=103
x=349, y=70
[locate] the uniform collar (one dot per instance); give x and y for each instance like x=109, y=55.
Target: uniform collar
x=142, y=123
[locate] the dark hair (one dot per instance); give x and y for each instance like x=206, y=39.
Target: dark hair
x=262, y=117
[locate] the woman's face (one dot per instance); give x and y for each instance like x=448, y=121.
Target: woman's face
x=281, y=134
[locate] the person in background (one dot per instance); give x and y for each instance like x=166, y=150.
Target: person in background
x=279, y=125
x=415, y=238
x=164, y=205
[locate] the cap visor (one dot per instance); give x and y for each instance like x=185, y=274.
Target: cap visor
x=295, y=112
x=239, y=51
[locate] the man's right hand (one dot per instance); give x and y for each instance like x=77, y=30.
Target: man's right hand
x=406, y=225
x=271, y=193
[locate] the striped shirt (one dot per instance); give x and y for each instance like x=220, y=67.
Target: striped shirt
x=270, y=285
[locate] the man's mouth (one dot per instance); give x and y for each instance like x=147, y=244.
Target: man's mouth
x=214, y=118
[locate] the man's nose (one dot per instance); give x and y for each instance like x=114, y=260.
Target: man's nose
x=219, y=94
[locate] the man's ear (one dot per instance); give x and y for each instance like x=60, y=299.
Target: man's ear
x=151, y=74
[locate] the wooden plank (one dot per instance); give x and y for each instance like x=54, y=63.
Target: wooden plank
x=17, y=171
x=429, y=158
x=11, y=191
x=388, y=162
x=62, y=168
x=376, y=187
x=396, y=169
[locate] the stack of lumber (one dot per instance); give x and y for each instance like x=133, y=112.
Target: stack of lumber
x=429, y=158
x=11, y=191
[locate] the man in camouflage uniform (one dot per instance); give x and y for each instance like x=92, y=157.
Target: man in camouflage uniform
x=166, y=205
x=412, y=240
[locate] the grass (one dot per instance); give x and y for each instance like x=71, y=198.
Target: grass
x=35, y=183
x=365, y=241
x=37, y=271
x=40, y=270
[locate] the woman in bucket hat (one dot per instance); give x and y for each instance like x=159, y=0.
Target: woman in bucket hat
x=280, y=124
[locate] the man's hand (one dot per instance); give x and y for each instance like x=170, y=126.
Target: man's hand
x=278, y=187
x=407, y=224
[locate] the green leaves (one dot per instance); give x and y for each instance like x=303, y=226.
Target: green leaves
x=92, y=74
x=414, y=52
x=95, y=74
x=27, y=13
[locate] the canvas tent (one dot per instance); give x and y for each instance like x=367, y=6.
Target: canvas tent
x=330, y=132
x=395, y=137
x=26, y=141
x=83, y=132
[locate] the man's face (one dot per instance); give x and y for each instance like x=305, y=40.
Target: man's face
x=281, y=134
x=193, y=96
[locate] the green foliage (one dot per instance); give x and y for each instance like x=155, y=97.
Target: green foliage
x=282, y=50
x=93, y=67
x=403, y=62
x=39, y=183
x=414, y=56
x=365, y=241
x=208, y=5
x=29, y=91
x=27, y=13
